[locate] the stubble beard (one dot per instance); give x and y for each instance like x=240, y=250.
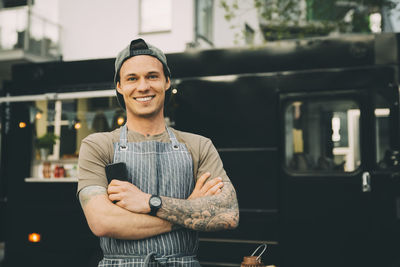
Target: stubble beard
x=148, y=115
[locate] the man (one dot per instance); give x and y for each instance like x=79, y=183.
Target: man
x=153, y=219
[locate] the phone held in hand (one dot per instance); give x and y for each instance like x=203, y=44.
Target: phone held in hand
x=116, y=171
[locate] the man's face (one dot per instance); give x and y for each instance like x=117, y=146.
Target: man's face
x=143, y=85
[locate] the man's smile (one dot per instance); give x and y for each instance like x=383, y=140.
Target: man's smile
x=144, y=98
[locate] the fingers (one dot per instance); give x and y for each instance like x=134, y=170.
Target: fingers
x=214, y=190
x=200, y=182
x=212, y=183
x=114, y=197
x=114, y=187
x=117, y=186
x=117, y=182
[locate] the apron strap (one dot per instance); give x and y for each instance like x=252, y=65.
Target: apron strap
x=162, y=259
x=152, y=256
x=172, y=137
x=123, y=139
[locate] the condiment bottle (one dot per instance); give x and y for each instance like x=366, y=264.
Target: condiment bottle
x=252, y=261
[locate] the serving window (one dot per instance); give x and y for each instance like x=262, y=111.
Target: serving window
x=322, y=136
x=61, y=125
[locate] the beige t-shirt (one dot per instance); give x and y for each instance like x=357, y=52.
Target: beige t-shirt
x=97, y=150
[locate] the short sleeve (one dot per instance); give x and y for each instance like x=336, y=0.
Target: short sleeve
x=210, y=161
x=95, y=153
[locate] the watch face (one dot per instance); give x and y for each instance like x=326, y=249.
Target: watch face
x=155, y=201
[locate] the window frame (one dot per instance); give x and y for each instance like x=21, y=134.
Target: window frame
x=287, y=99
x=150, y=31
x=208, y=38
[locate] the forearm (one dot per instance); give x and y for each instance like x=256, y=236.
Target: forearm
x=211, y=213
x=107, y=219
x=122, y=224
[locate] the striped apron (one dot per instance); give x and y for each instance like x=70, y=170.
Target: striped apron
x=158, y=168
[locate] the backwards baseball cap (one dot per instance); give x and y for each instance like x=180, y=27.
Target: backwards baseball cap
x=135, y=48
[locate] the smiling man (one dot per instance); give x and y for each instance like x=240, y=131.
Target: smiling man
x=176, y=185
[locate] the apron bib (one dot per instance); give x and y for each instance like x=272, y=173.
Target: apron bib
x=158, y=168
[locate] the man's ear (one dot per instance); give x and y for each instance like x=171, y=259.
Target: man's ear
x=168, y=84
x=119, y=87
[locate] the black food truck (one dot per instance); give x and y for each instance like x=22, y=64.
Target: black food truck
x=308, y=130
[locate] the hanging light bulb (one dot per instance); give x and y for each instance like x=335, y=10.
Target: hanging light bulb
x=38, y=115
x=120, y=120
x=22, y=124
x=34, y=237
x=77, y=125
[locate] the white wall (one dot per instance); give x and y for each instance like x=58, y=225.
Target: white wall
x=47, y=9
x=101, y=28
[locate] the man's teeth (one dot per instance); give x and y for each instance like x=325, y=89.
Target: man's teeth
x=144, y=98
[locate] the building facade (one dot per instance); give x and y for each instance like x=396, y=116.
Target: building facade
x=104, y=27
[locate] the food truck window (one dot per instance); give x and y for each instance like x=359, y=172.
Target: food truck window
x=67, y=123
x=322, y=136
x=382, y=132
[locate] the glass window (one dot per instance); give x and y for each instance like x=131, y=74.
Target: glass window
x=61, y=125
x=322, y=136
x=155, y=15
x=204, y=19
x=12, y=27
x=40, y=38
x=249, y=34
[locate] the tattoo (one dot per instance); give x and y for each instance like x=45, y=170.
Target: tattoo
x=211, y=213
x=88, y=192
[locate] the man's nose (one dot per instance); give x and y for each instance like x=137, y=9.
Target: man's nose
x=143, y=85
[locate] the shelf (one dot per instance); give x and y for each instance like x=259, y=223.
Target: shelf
x=51, y=180
x=61, y=161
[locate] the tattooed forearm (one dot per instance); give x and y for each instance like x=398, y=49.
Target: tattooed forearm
x=211, y=213
x=88, y=192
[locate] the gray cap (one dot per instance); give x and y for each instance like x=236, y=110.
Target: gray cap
x=135, y=48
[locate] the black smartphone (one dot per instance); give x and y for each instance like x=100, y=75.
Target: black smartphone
x=117, y=171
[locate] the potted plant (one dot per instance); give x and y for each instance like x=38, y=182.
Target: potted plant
x=44, y=143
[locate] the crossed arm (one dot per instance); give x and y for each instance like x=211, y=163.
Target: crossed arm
x=208, y=208
x=210, y=212
x=107, y=219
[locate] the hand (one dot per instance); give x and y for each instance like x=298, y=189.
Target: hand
x=128, y=196
x=209, y=188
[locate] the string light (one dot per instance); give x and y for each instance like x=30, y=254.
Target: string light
x=22, y=124
x=77, y=125
x=174, y=91
x=120, y=120
x=38, y=115
x=34, y=237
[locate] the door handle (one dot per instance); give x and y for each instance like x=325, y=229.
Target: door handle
x=366, y=182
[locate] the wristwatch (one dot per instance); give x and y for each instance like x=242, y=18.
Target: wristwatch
x=155, y=204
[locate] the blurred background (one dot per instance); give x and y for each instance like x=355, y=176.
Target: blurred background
x=43, y=30
x=264, y=51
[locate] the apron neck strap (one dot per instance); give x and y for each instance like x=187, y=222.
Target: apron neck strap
x=172, y=137
x=123, y=138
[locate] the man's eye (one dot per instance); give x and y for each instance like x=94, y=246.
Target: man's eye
x=131, y=79
x=153, y=76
